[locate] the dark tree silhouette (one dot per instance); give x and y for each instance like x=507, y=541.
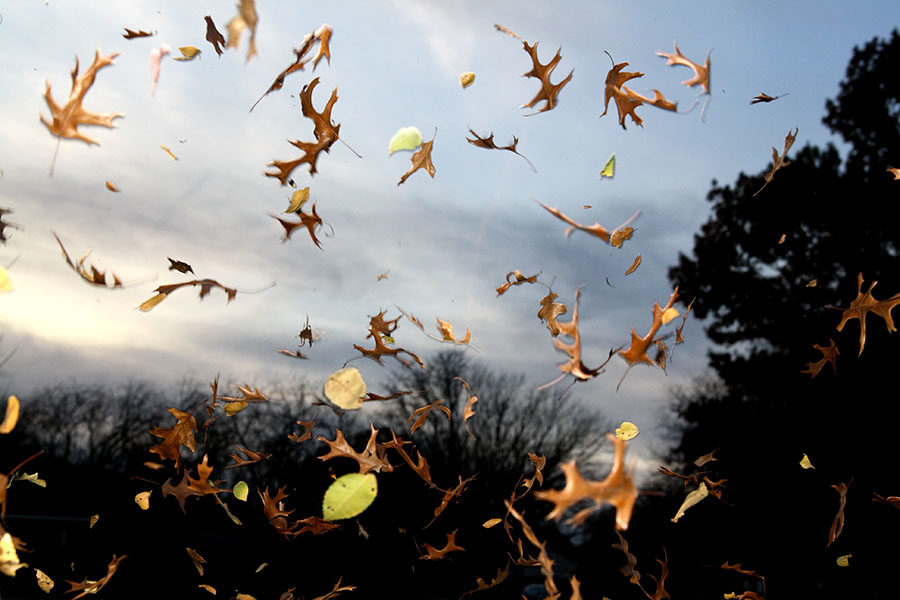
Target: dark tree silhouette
x=766, y=304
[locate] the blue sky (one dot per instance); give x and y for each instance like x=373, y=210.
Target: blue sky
x=446, y=242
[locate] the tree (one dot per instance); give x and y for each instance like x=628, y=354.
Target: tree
x=767, y=303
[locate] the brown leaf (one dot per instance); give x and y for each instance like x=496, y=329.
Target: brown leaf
x=617, y=489
x=548, y=92
x=444, y=328
x=838, y=524
x=245, y=19
x=326, y=133
x=550, y=310
x=829, y=356
x=890, y=500
x=637, y=352
x=501, y=576
x=739, y=568
x=627, y=100
x=421, y=159
x=94, y=276
x=895, y=172
x=488, y=143
x=701, y=73
x=180, y=434
x=865, y=303
x=779, y=161
x=432, y=553
x=372, y=457
x=193, y=486
x=301, y=58
x=708, y=457
x=316, y=526
x=450, y=496
x=213, y=36
x=92, y=587
x=130, y=34
x=378, y=328
x=206, y=286
x=544, y=560
x=634, y=265
x=67, y=118
x=273, y=508
x=421, y=467
x=197, y=559
x=336, y=591
x=596, y=229
x=765, y=98
x=574, y=366
x=311, y=221
x=5, y=225
x=307, y=432
x=177, y=265
x=252, y=457
x=519, y=279
x=421, y=414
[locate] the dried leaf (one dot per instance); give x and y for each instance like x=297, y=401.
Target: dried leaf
x=421, y=414
x=6, y=225
x=706, y=458
x=779, y=161
x=627, y=100
x=372, y=457
x=378, y=328
x=491, y=522
x=444, y=328
x=421, y=160
x=180, y=434
x=548, y=92
x=321, y=35
x=501, y=576
x=829, y=356
x=169, y=152
x=617, y=489
x=336, y=591
x=93, y=521
x=544, y=560
x=181, y=267
x=895, y=172
x=843, y=560
x=11, y=416
x=208, y=588
x=346, y=389
x=245, y=19
x=298, y=199
x=130, y=34
x=692, y=499
x=142, y=499
x=549, y=312
x=111, y=186
x=252, y=457
x=43, y=580
x=213, y=36
x=634, y=265
x=865, y=303
x=187, y=53
x=307, y=433
x=466, y=79
x=838, y=524
x=806, y=463
x=519, y=279
x=191, y=486
x=206, y=286
x=432, y=553
x=311, y=221
x=763, y=97
x=596, y=229
x=637, y=352
x=701, y=73
x=488, y=144
x=94, y=276
x=92, y=587
x=197, y=559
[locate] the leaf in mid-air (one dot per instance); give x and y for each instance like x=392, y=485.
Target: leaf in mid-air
x=806, y=463
x=181, y=267
x=301, y=58
x=372, y=458
x=692, y=499
x=187, y=53
x=701, y=72
x=864, y=304
x=627, y=431
x=421, y=160
x=92, y=587
x=349, y=495
x=837, y=526
x=627, y=100
x=488, y=144
x=432, y=553
x=406, y=138
x=213, y=36
x=548, y=92
x=779, y=161
x=94, y=276
x=637, y=352
x=765, y=98
x=11, y=417
x=829, y=356
x=311, y=221
x=245, y=19
x=609, y=169
x=466, y=79
x=346, y=389
x=130, y=34
x=379, y=329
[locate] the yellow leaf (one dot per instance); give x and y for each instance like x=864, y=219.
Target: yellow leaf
x=9, y=560
x=843, y=561
x=12, y=415
x=812, y=283
x=143, y=500
x=693, y=498
x=169, y=152
x=245, y=597
x=149, y=304
x=111, y=186
x=669, y=314
x=187, y=53
x=208, y=588
x=627, y=431
x=346, y=389
x=491, y=522
x=240, y=490
x=5, y=284
x=94, y=519
x=609, y=169
x=298, y=199
x=43, y=581
x=805, y=463
x=730, y=596
x=233, y=408
x=466, y=79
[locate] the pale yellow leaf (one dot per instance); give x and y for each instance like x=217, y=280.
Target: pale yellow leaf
x=692, y=499
x=143, y=500
x=233, y=408
x=346, y=388
x=187, y=53
x=12, y=415
x=669, y=314
x=491, y=522
x=298, y=199
x=806, y=463
x=94, y=519
x=627, y=431
x=5, y=284
x=43, y=580
x=844, y=560
x=169, y=152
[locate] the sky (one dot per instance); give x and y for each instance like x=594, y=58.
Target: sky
x=445, y=242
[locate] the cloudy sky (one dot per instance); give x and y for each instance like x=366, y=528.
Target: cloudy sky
x=445, y=243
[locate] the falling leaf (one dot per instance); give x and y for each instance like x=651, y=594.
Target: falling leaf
x=68, y=117
x=156, y=56
x=488, y=143
x=187, y=53
x=5, y=283
x=111, y=186
x=326, y=133
x=444, y=328
x=11, y=417
x=432, y=553
x=812, y=283
x=213, y=36
x=406, y=138
x=691, y=500
x=634, y=265
x=548, y=92
x=312, y=221
x=617, y=489
x=169, y=152
x=519, y=279
x=208, y=588
x=180, y=434
x=4, y=225
x=143, y=500
x=9, y=560
x=233, y=408
x=491, y=522
x=93, y=521
x=336, y=591
x=829, y=356
x=779, y=161
x=321, y=35
x=245, y=19
x=805, y=462
x=252, y=457
x=843, y=560
x=346, y=388
x=206, y=286
x=782, y=238
x=701, y=73
x=193, y=486
x=87, y=586
x=619, y=234
x=627, y=431
x=241, y=490
x=298, y=199
x=763, y=97
x=372, y=458
x=626, y=99
x=895, y=172
x=43, y=580
x=637, y=352
x=349, y=495
x=421, y=414
x=706, y=458
x=499, y=578
x=382, y=276
x=181, y=267
x=130, y=34
x=421, y=160
x=379, y=330
x=94, y=276
x=838, y=524
x=669, y=314
x=865, y=303
x=609, y=169
x=245, y=597
x=197, y=559
x=466, y=79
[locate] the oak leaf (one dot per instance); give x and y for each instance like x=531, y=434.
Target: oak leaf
x=316, y=526
x=180, y=266
x=432, y=553
x=829, y=356
x=193, y=486
x=197, y=559
x=176, y=436
x=92, y=587
x=312, y=221
x=420, y=466
x=378, y=328
x=501, y=576
x=637, y=352
x=323, y=36
x=617, y=489
x=701, y=72
x=574, y=366
x=130, y=34
x=252, y=457
x=421, y=414
x=543, y=559
x=326, y=133
x=273, y=508
x=624, y=232
x=444, y=327
x=488, y=144
x=779, y=161
x=307, y=432
x=626, y=99
x=94, y=276
x=421, y=160
x=864, y=304
x=450, y=496
x=206, y=286
x=336, y=591
x=548, y=92
x=245, y=19
x=213, y=36
x=550, y=310
x=372, y=458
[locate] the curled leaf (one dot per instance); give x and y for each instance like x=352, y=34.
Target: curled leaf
x=11, y=417
x=466, y=79
x=143, y=500
x=187, y=53
x=691, y=500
